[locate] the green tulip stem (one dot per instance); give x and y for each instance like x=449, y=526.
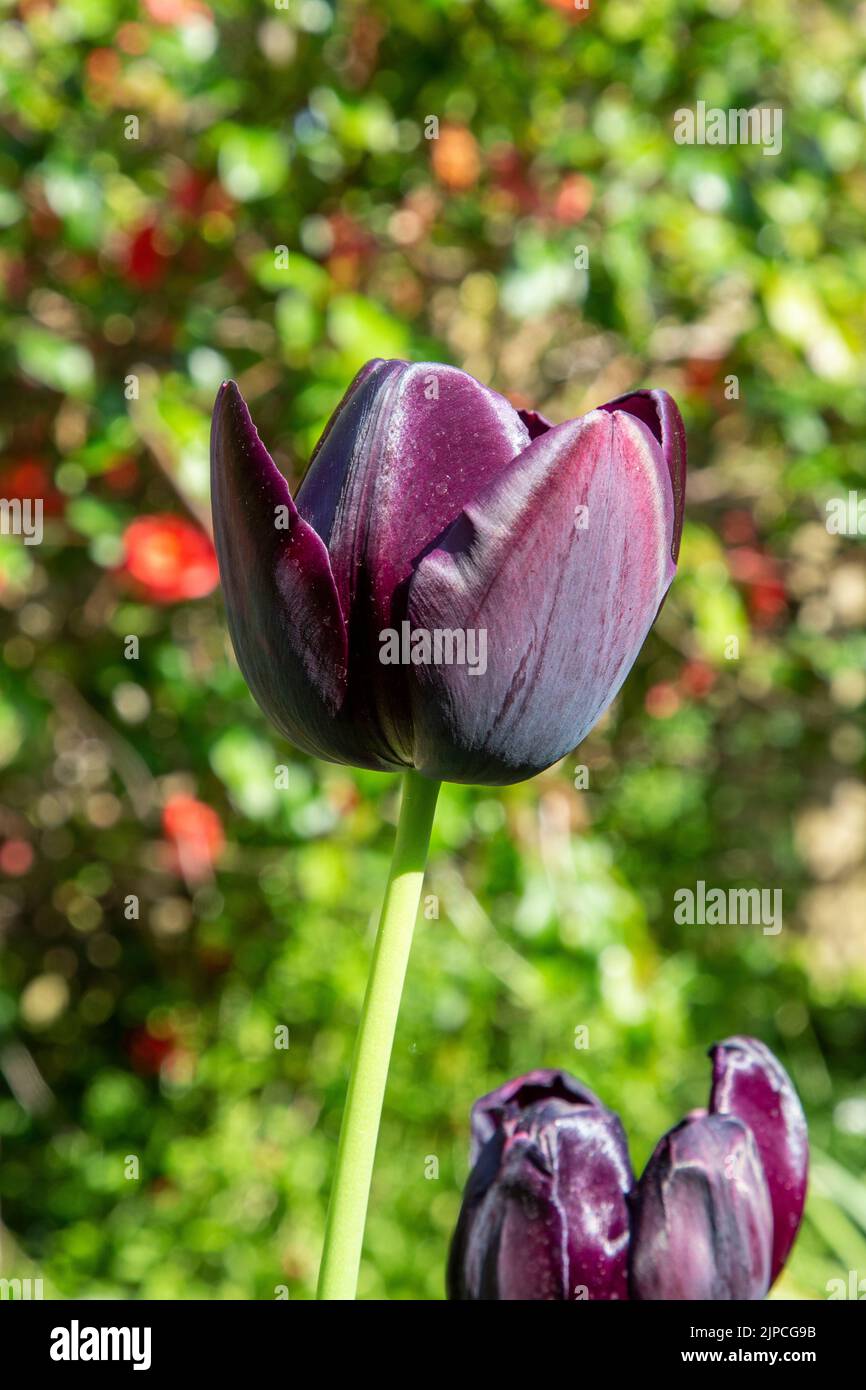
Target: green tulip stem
x=347, y=1210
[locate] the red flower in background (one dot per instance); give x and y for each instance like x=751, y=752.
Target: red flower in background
x=31, y=478
x=662, y=700
x=702, y=376
x=193, y=192
x=188, y=189
x=571, y=9
x=147, y=1052
x=122, y=476
x=697, y=679
x=195, y=835
x=142, y=261
x=761, y=577
x=512, y=178
x=573, y=198
x=16, y=858
x=754, y=568
x=170, y=558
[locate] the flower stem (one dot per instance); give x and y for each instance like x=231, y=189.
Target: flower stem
x=347, y=1210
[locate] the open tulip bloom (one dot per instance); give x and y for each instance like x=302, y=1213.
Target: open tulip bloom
x=457, y=592
x=552, y=1210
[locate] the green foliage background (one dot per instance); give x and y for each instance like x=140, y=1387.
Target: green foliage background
x=154, y=257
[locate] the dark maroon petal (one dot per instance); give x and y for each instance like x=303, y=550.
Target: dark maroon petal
x=749, y=1082
x=545, y=1213
x=659, y=412
x=702, y=1222
x=430, y=503
x=565, y=607
x=535, y=422
x=515, y=1247
x=335, y=493
x=410, y=445
x=281, y=603
x=491, y=1113
x=592, y=1180
x=378, y=367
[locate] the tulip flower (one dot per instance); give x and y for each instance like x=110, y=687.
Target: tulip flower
x=551, y=1210
x=431, y=506
x=457, y=591
x=703, y=1225
x=545, y=1213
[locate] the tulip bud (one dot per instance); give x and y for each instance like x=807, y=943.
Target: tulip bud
x=749, y=1082
x=703, y=1225
x=529, y=559
x=544, y=1214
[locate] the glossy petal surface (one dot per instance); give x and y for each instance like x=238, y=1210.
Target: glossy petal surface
x=562, y=563
x=283, y=613
x=749, y=1082
x=703, y=1225
x=493, y=1112
x=408, y=447
x=535, y=556
x=659, y=413
x=545, y=1213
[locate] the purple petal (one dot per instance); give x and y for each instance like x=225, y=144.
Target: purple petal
x=703, y=1224
x=593, y=1177
x=535, y=422
x=545, y=1214
x=514, y=1245
x=408, y=447
x=565, y=607
x=283, y=613
x=749, y=1082
x=659, y=412
x=504, y=1105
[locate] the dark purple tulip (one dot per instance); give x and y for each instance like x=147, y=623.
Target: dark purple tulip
x=703, y=1224
x=749, y=1082
x=430, y=501
x=544, y=1214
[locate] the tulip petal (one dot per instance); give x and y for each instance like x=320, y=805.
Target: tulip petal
x=592, y=1180
x=749, y=1082
x=535, y=422
x=529, y=1266
x=409, y=446
x=335, y=493
x=475, y=1244
x=659, y=413
x=493, y=1112
x=562, y=563
x=545, y=1213
x=283, y=612
x=702, y=1221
